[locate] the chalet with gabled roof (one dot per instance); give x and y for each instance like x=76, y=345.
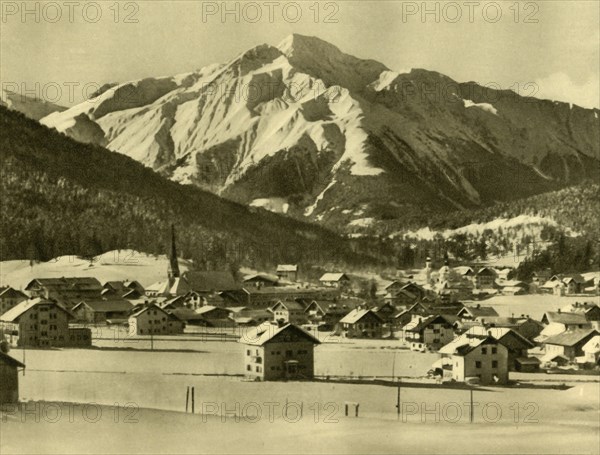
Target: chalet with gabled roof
x=335, y=280
x=361, y=323
x=485, y=278
x=10, y=298
x=484, y=359
x=568, y=344
x=429, y=332
x=287, y=272
x=260, y=280
x=516, y=345
x=477, y=311
x=278, y=352
x=153, y=320
x=102, y=311
x=289, y=312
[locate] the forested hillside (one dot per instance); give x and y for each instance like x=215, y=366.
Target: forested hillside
x=63, y=197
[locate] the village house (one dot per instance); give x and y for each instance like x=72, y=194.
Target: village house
x=465, y=271
x=335, y=280
x=485, y=278
x=513, y=287
x=244, y=316
x=396, y=293
x=386, y=312
x=472, y=313
x=152, y=320
x=471, y=357
x=574, y=284
x=568, y=345
x=516, y=345
x=570, y=321
x=189, y=317
x=9, y=298
x=524, y=325
x=260, y=280
x=122, y=288
x=174, y=303
x=278, y=352
x=416, y=290
x=565, y=285
x=314, y=312
x=591, y=353
x=42, y=323
x=289, y=312
x=428, y=333
x=540, y=277
x=448, y=310
x=267, y=297
x=66, y=291
x=287, y=272
x=591, y=311
x=112, y=311
x=9, y=378
x=360, y=323
x=215, y=316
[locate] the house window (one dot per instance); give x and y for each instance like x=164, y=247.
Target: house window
x=494, y=364
x=248, y=352
x=478, y=364
x=494, y=350
x=484, y=351
x=249, y=367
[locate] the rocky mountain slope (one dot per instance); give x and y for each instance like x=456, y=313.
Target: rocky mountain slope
x=305, y=129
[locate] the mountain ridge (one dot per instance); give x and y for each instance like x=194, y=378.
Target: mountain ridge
x=339, y=138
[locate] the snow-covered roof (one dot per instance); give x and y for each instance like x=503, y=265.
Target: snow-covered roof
x=592, y=346
x=356, y=315
x=266, y=331
x=333, y=277
x=15, y=312
x=463, y=345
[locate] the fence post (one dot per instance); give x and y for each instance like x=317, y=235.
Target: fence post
x=187, y=398
x=193, y=400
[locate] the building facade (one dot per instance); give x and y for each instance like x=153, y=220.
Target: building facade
x=152, y=320
x=41, y=323
x=482, y=358
x=10, y=298
x=278, y=352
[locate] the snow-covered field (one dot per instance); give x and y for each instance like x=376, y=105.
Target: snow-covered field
x=112, y=265
x=528, y=224
x=505, y=420
x=535, y=305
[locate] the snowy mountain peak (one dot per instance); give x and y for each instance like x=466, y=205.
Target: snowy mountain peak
x=337, y=138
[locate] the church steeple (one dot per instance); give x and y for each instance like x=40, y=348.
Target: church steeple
x=173, y=271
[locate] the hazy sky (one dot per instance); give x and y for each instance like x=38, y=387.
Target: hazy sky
x=554, y=44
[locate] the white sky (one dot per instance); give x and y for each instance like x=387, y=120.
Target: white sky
x=560, y=53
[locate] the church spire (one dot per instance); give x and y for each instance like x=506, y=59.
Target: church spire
x=173, y=270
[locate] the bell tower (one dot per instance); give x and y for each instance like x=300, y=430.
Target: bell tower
x=173, y=270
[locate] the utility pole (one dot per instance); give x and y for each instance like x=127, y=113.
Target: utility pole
x=471, y=414
x=398, y=401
